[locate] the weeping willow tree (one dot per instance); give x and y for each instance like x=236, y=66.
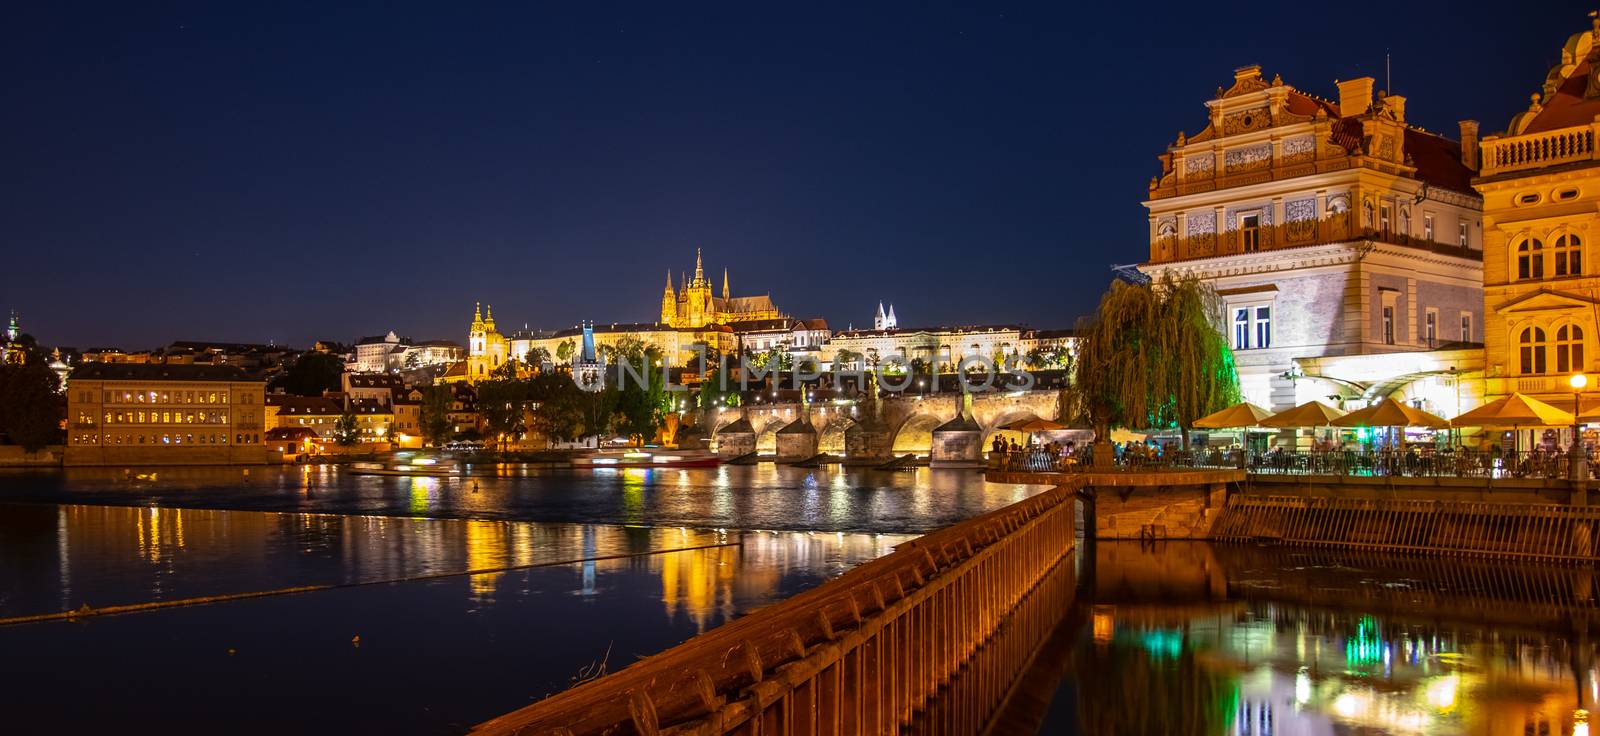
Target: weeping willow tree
x=1153, y=357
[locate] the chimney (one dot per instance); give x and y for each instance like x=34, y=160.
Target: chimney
x=1469, y=143
x=1355, y=96
x=1396, y=105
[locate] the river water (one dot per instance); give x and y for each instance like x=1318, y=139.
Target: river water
x=577, y=573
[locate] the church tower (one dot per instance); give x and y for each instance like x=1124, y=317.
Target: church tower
x=669, y=303
x=725, y=293
x=879, y=318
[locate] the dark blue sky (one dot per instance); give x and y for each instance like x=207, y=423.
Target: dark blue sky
x=275, y=172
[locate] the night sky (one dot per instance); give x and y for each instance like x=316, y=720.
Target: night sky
x=264, y=171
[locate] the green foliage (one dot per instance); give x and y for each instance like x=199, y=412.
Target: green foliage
x=640, y=411
x=560, y=408
x=311, y=374
x=538, y=358
x=435, y=419
x=507, y=371
x=501, y=403
x=846, y=357
x=564, y=351
x=31, y=410
x=1153, y=356
x=346, y=430
x=719, y=388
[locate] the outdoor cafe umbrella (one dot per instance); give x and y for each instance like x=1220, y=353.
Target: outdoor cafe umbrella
x=1242, y=414
x=1391, y=413
x=1032, y=425
x=1309, y=414
x=1514, y=411
x=1517, y=412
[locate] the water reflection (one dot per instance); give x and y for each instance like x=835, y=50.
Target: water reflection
x=55, y=558
x=498, y=638
x=1194, y=639
x=742, y=497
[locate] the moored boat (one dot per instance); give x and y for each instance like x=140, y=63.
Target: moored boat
x=647, y=459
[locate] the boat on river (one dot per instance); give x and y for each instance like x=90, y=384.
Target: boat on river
x=407, y=466
x=647, y=459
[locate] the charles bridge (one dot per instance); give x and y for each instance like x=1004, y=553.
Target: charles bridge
x=943, y=427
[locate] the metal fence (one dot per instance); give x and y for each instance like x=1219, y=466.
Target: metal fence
x=1533, y=464
x=1521, y=531
x=864, y=653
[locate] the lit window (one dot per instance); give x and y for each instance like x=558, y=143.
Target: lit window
x=1530, y=259
x=1250, y=232
x=1383, y=219
x=1466, y=328
x=1431, y=327
x=1531, y=351
x=1461, y=233
x=1388, y=325
x=1241, y=329
x=1569, y=255
x=1263, y=327
x=1569, y=349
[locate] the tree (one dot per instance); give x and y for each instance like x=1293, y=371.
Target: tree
x=501, y=403
x=559, y=407
x=719, y=388
x=641, y=410
x=346, y=430
x=1153, y=356
x=846, y=357
x=507, y=371
x=435, y=419
x=564, y=351
x=31, y=410
x=538, y=358
x=311, y=374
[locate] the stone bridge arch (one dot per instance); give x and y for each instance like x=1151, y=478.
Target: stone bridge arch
x=914, y=435
x=830, y=438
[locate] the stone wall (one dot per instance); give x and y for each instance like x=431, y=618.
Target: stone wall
x=1164, y=512
x=78, y=455
x=13, y=456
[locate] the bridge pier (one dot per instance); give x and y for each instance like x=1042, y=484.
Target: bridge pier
x=797, y=441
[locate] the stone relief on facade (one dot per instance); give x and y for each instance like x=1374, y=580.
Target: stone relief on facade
x=1166, y=237
x=1203, y=233
x=1302, y=217
x=1386, y=147
x=1199, y=164
x=1245, y=121
x=1303, y=148
x=1247, y=158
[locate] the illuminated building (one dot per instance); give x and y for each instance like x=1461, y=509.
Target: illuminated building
x=133, y=414
x=487, y=349
x=941, y=346
x=392, y=353
x=696, y=307
x=1540, y=182
x=1332, y=230
x=793, y=335
x=12, y=351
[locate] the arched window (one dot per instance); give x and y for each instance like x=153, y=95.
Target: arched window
x=1569, y=349
x=1530, y=259
x=1532, y=351
x=1569, y=255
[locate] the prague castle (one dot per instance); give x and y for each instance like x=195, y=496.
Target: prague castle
x=695, y=307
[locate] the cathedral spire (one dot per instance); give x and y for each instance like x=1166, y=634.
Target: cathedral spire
x=699, y=273
x=724, y=282
x=670, y=292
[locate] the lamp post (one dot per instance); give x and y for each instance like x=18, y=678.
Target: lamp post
x=1577, y=460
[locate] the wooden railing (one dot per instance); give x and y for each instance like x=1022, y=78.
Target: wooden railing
x=1538, y=150
x=864, y=653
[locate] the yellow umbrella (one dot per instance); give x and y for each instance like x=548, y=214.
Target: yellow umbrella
x=1309, y=414
x=1243, y=414
x=1391, y=413
x=1514, y=411
x=1033, y=425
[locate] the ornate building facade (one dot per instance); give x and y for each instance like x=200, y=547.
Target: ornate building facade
x=1540, y=182
x=695, y=306
x=1331, y=230
x=487, y=349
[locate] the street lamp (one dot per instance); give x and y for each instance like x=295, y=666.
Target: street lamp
x=1577, y=461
